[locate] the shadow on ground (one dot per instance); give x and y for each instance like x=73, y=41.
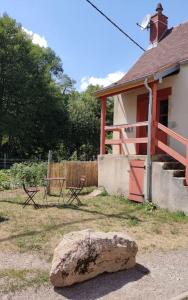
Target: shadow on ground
x=100, y=215
x=3, y=219
x=103, y=284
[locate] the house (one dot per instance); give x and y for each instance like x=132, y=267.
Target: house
x=149, y=141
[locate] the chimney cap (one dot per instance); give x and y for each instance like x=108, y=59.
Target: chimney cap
x=159, y=7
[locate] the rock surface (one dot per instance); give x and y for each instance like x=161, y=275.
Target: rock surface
x=97, y=192
x=85, y=254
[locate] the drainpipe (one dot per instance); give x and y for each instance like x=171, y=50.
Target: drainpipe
x=148, y=160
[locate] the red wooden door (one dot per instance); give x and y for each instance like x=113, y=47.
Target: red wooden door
x=136, y=181
x=142, y=115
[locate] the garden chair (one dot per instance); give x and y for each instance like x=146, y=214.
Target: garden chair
x=74, y=191
x=30, y=192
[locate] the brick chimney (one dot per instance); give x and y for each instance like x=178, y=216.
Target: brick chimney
x=158, y=25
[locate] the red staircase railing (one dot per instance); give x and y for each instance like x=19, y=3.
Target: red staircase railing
x=183, y=160
x=122, y=140
x=167, y=149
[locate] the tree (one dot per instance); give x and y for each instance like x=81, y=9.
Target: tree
x=39, y=106
x=67, y=84
x=83, y=138
x=32, y=113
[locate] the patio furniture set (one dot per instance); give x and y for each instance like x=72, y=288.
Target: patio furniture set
x=68, y=198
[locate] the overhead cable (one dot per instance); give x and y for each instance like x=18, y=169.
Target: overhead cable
x=113, y=23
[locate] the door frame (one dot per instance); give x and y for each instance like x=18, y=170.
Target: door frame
x=162, y=94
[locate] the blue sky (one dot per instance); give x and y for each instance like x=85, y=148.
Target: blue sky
x=88, y=45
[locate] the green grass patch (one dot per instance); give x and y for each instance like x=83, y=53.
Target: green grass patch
x=12, y=280
x=40, y=230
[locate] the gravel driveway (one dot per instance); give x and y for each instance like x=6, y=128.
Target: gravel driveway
x=156, y=276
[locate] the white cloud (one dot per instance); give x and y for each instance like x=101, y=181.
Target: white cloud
x=104, y=81
x=36, y=38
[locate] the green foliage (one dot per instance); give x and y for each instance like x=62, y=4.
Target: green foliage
x=104, y=193
x=19, y=279
x=84, y=125
x=39, y=107
x=133, y=221
x=149, y=206
x=83, y=135
x=180, y=214
x=32, y=111
x=5, y=180
x=31, y=174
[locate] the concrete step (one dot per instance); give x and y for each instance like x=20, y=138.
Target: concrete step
x=173, y=166
x=163, y=158
x=180, y=181
x=179, y=173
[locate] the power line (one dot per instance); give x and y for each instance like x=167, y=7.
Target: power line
x=113, y=23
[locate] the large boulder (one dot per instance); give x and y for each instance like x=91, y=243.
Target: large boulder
x=82, y=255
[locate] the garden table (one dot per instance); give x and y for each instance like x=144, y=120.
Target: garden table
x=47, y=181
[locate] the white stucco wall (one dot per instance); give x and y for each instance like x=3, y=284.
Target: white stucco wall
x=125, y=109
x=178, y=106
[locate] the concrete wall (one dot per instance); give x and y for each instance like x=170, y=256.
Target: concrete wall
x=168, y=191
x=113, y=174
x=125, y=109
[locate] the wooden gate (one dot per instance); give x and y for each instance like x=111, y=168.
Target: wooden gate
x=136, y=181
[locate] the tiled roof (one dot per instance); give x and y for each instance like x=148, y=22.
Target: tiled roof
x=171, y=50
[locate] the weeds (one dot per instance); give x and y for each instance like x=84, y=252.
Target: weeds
x=133, y=222
x=150, y=207
x=13, y=280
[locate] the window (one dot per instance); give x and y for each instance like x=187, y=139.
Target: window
x=163, y=117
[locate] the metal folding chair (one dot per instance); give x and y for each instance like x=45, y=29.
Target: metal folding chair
x=74, y=191
x=30, y=192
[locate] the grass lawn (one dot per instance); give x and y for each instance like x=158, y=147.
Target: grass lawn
x=12, y=280
x=39, y=230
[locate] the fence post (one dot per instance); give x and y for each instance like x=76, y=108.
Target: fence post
x=48, y=171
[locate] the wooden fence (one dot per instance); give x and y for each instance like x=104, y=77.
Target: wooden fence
x=72, y=170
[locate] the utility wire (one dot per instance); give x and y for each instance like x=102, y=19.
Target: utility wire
x=113, y=23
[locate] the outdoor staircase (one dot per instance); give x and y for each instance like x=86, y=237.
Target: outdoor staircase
x=174, y=167
x=168, y=187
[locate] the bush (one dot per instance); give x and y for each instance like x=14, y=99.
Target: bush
x=29, y=173
x=5, y=179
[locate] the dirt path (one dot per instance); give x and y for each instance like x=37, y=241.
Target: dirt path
x=15, y=260
x=156, y=276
